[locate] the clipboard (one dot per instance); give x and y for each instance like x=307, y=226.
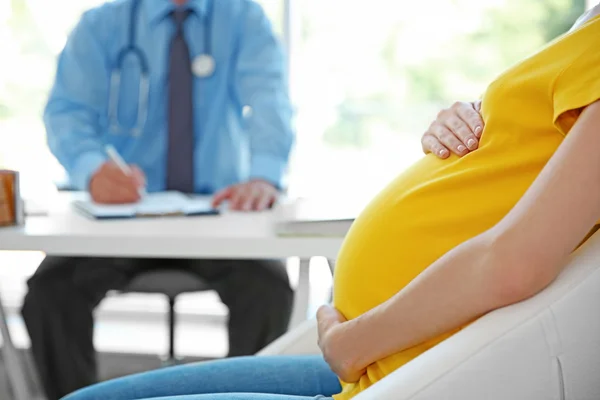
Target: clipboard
x=152, y=205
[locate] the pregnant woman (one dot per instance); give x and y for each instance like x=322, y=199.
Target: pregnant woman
x=411, y=273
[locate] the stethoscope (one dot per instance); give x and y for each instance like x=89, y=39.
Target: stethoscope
x=203, y=66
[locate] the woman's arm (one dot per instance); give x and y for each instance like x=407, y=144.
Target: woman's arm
x=514, y=260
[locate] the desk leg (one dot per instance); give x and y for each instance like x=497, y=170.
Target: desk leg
x=13, y=363
x=302, y=295
x=331, y=264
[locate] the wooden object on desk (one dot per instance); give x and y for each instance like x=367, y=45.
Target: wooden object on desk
x=11, y=210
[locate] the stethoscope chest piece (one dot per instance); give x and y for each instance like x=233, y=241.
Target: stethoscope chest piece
x=203, y=65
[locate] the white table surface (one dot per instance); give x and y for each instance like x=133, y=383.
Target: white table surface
x=231, y=235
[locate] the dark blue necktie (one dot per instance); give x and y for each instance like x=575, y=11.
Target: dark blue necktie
x=180, y=154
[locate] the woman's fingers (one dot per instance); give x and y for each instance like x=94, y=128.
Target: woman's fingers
x=462, y=132
x=432, y=145
x=470, y=114
x=457, y=129
x=449, y=139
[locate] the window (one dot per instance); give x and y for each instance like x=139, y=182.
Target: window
x=366, y=78
x=369, y=77
x=32, y=32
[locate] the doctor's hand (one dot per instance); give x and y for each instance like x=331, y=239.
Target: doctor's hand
x=109, y=185
x=456, y=129
x=335, y=344
x=256, y=194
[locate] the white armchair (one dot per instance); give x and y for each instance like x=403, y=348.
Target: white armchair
x=547, y=347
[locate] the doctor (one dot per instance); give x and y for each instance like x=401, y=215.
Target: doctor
x=193, y=96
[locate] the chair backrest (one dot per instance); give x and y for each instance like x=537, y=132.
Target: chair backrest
x=547, y=347
x=168, y=281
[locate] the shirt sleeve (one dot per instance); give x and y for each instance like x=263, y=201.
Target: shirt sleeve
x=261, y=84
x=576, y=87
x=77, y=100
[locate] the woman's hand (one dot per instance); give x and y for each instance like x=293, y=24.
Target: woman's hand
x=456, y=129
x=338, y=350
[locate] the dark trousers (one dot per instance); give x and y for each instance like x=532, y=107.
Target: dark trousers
x=64, y=292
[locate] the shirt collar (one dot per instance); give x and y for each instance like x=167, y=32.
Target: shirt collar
x=157, y=10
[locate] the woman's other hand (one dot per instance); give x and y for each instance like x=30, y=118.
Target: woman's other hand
x=457, y=129
x=338, y=350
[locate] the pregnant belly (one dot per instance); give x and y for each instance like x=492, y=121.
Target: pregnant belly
x=425, y=212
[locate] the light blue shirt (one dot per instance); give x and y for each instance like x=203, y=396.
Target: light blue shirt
x=231, y=145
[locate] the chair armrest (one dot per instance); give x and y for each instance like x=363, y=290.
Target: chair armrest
x=302, y=340
x=511, y=352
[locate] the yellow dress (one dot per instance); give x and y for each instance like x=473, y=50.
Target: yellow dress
x=437, y=204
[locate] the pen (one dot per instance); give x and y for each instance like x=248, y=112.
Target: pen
x=117, y=159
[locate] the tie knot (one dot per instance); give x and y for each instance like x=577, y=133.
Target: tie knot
x=179, y=16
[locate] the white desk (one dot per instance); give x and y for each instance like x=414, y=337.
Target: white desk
x=231, y=235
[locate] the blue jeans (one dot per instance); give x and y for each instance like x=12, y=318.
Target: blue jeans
x=244, y=378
